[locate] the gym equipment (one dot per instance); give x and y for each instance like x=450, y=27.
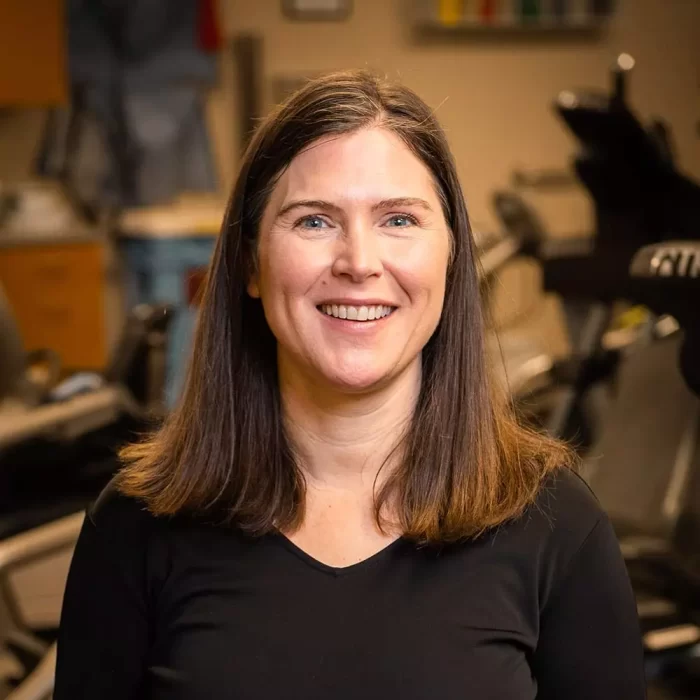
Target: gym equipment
x=663, y=556
x=640, y=197
x=520, y=365
x=132, y=383
x=667, y=279
x=55, y=456
x=648, y=478
x=36, y=655
x=644, y=251
x=547, y=402
x=57, y=451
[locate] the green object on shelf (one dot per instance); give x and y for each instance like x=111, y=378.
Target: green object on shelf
x=529, y=9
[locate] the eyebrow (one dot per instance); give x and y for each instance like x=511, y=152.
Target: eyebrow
x=334, y=208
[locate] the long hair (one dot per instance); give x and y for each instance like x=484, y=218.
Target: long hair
x=465, y=464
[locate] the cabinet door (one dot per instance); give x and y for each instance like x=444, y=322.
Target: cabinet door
x=32, y=53
x=57, y=293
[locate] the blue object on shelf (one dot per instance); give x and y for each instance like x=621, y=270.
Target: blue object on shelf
x=157, y=271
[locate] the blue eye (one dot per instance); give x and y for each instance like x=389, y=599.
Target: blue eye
x=312, y=221
x=401, y=221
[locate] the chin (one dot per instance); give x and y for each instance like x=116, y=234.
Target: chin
x=357, y=380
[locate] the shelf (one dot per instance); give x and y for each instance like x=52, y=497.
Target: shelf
x=427, y=17
x=541, y=24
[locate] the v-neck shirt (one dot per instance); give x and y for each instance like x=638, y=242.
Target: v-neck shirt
x=168, y=609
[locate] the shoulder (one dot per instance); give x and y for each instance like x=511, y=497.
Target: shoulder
x=113, y=506
x=565, y=513
x=115, y=516
x=567, y=505
x=128, y=524
x=548, y=537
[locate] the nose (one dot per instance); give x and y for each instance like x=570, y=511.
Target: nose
x=358, y=256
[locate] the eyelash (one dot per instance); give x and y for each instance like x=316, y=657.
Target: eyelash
x=412, y=219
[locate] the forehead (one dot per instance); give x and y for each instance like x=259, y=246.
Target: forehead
x=367, y=164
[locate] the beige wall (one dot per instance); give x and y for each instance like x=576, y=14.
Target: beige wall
x=493, y=96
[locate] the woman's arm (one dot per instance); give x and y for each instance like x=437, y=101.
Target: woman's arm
x=104, y=636
x=590, y=641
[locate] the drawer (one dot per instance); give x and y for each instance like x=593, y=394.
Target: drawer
x=57, y=295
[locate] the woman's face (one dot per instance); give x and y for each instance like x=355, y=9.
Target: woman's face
x=352, y=259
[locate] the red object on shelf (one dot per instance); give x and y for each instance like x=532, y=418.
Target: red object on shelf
x=487, y=11
x=208, y=30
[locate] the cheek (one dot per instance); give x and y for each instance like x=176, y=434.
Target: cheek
x=423, y=270
x=287, y=267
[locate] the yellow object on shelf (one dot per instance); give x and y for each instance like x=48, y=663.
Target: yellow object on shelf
x=451, y=12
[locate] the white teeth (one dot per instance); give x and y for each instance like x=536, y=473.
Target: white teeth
x=356, y=313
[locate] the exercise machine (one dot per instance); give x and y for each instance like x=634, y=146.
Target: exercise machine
x=663, y=553
x=58, y=445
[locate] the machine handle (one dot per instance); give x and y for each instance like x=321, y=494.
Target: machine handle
x=678, y=260
x=622, y=68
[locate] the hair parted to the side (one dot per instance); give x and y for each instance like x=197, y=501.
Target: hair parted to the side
x=466, y=463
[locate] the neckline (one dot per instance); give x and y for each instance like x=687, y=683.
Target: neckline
x=338, y=571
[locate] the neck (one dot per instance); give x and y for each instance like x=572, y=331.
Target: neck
x=343, y=440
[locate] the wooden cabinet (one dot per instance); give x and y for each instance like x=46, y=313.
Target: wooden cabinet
x=33, y=69
x=57, y=293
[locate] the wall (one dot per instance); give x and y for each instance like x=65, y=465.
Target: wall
x=494, y=95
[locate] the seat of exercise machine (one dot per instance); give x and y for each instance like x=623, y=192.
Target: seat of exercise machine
x=639, y=194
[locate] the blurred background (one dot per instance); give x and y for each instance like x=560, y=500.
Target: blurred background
x=575, y=125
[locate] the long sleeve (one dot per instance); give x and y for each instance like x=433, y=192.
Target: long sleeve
x=590, y=641
x=104, y=636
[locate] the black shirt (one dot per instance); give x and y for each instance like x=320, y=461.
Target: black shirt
x=171, y=609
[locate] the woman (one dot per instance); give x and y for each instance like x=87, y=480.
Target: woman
x=342, y=506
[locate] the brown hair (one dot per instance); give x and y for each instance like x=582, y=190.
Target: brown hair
x=466, y=464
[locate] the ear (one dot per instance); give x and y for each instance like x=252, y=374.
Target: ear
x=251, y=267
x=253, y=287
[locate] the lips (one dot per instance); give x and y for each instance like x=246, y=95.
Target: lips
x=356, y=313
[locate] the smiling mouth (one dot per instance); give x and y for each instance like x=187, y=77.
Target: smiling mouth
x=356, y=313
